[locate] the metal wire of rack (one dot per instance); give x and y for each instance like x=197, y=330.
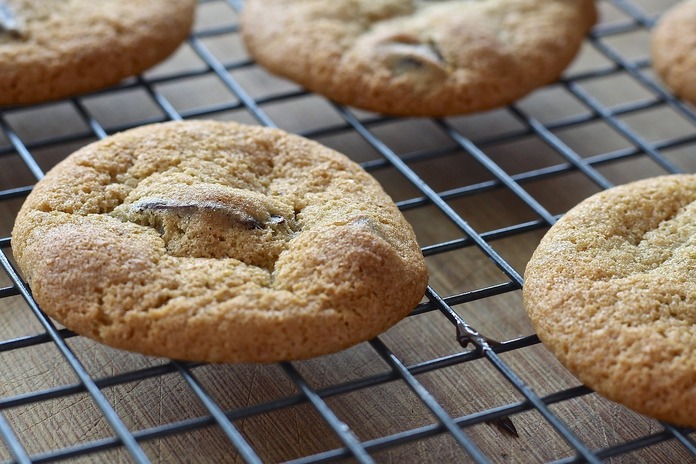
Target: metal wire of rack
x=63, y=397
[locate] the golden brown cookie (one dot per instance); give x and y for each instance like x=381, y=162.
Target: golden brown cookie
x=418, y=57
x=611, y=290
x=673, y=49
x=58, y=48
x=218, y=242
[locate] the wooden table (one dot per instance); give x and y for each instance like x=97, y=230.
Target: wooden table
x=486, y=188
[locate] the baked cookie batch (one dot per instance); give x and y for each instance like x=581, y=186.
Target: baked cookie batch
x=220, y=242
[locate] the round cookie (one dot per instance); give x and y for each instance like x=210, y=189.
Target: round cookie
x=673, y=49
x=418, y=57
x=611, y=290
x=59, y=48
x=218, y=242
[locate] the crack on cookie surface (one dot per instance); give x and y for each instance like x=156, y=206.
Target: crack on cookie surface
x=154, y=210
x=404, y=54
x=215, y=221
x=662, y=244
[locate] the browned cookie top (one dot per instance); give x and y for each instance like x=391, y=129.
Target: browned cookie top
x=611, y=290
x=56, y=48
x=217, y=242
x=673, y=49
x=418, y=57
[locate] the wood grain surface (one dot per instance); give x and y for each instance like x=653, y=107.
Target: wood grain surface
x=163, y=404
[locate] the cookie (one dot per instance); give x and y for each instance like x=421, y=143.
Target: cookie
x=417, y=57
x=217, y=242
x=59, y=48
x=673, y=49
x=611, y=290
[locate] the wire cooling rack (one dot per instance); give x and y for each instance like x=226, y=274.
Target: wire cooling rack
x=480, y=191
